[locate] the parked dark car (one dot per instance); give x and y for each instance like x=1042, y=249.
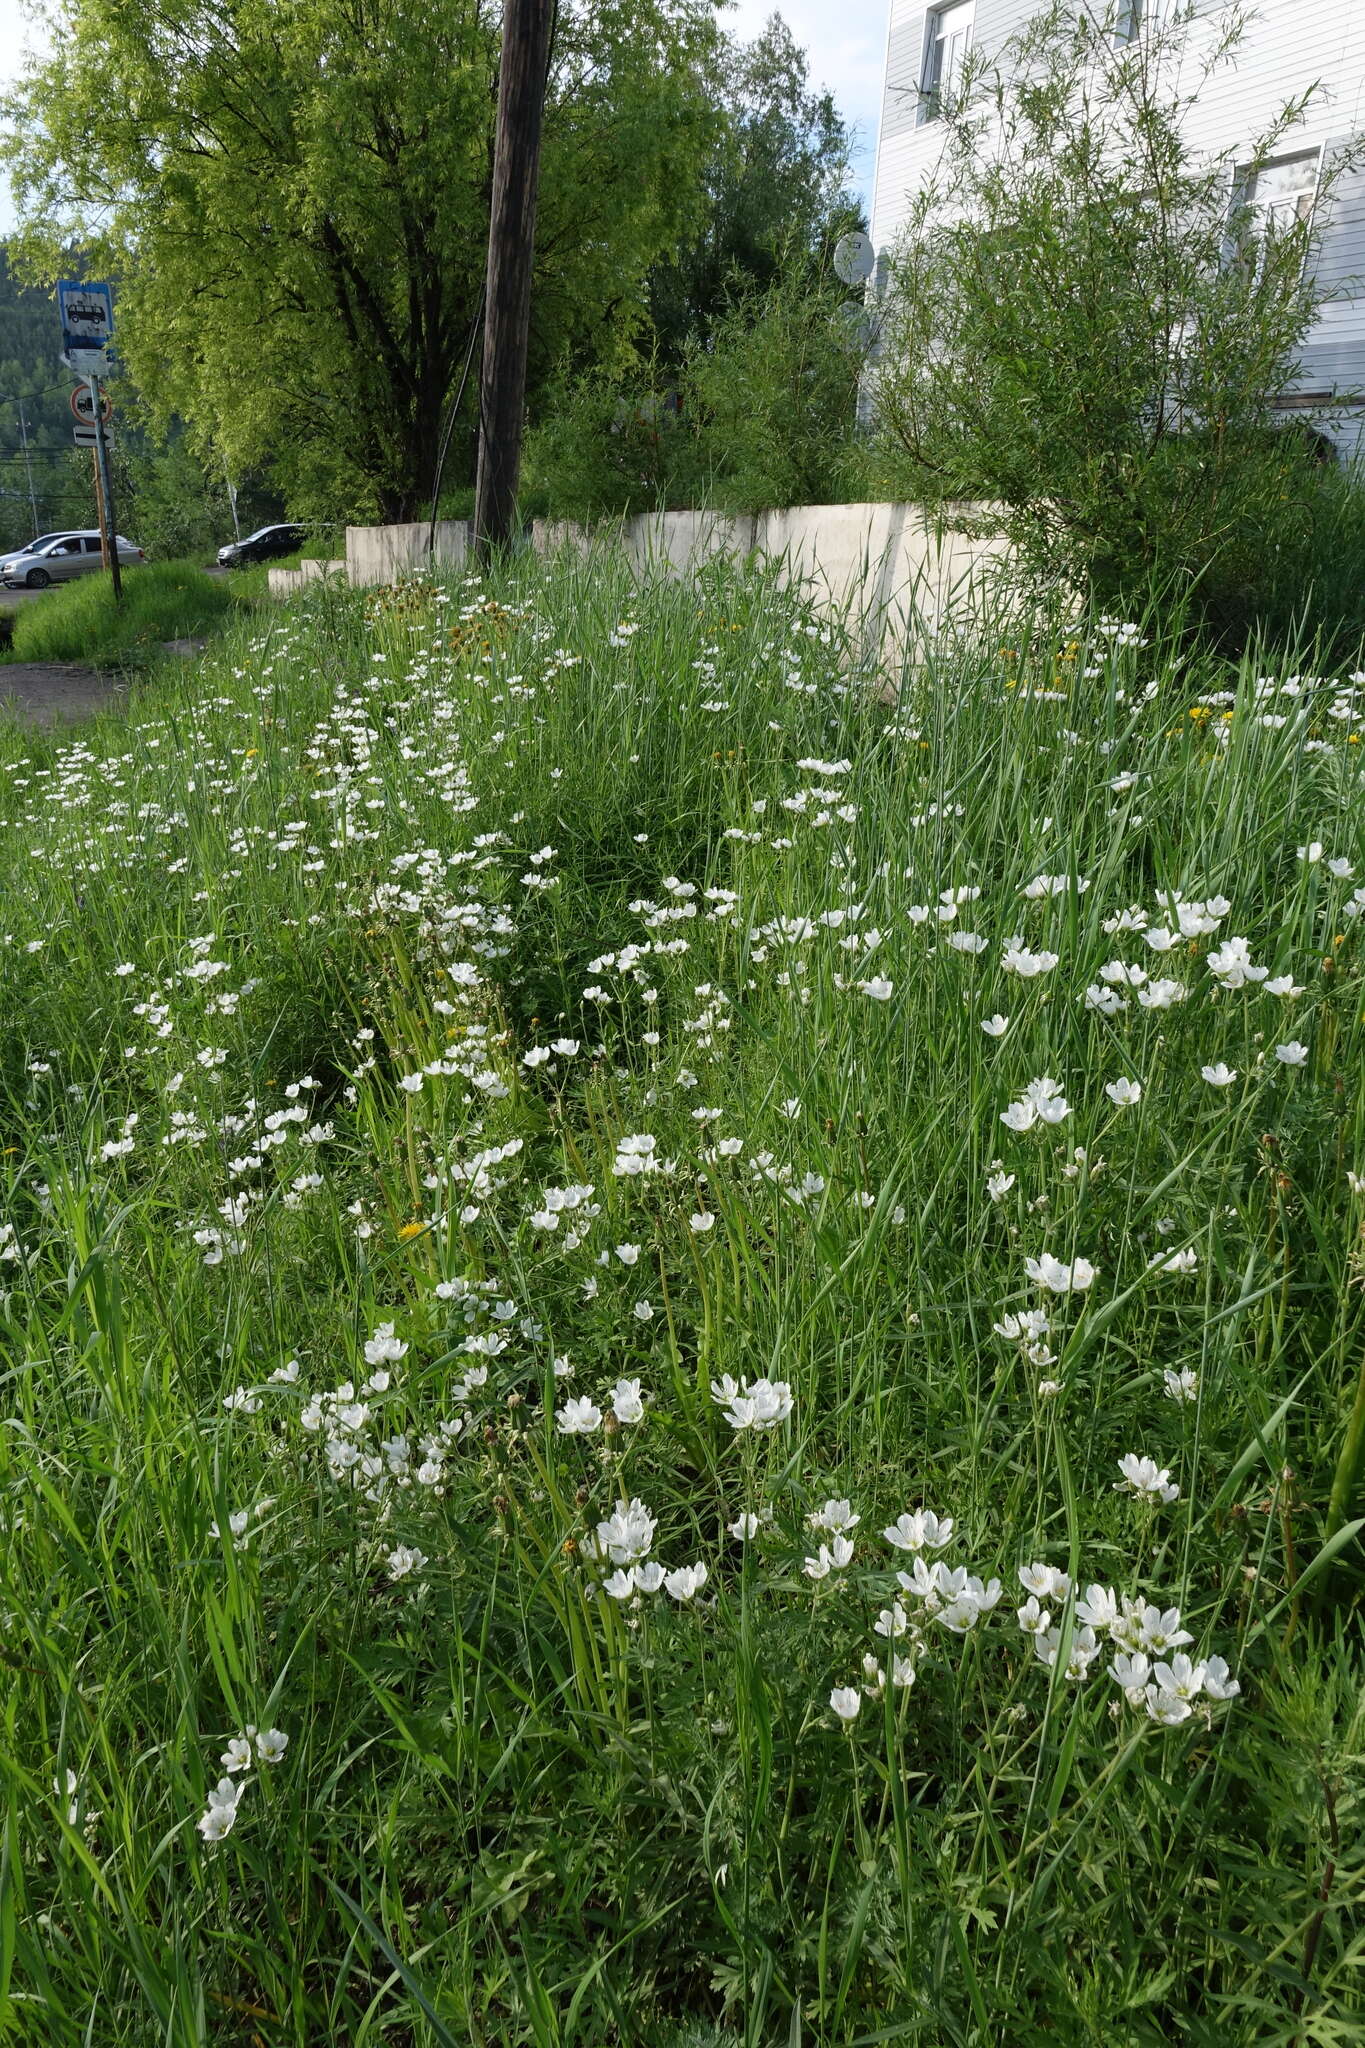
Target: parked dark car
x=265, y=545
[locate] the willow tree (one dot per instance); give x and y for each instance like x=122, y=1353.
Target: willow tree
x=293, y=198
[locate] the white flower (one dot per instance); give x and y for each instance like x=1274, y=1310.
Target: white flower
x=922, y=1530
x=1020, y=1116
x=402, y=1561
x=1162, y=995
x=1182, y=1385
x=1058, y=1277
x=879, y=990
x=1143, y=1479
x=686, y=1582
x=628, y=1254
x=221, y=1814
x=1098, y=1607
x=998, y=1185
x=701, y=1220
x=1232, y=965
x=1165, y=1708
x=1291, y=1055
x=996, y=1026
x=846, y=1700
x=578, y=1417
x=835, y=1517
x=627, y=1402
x=1219, y=1076
x=745, y=1527
x=1033, y=1619
x=1179, y=1262
x=752, y=1404
x=1131, y=1670
x=1019, y=960
x=626, y=1537
x=1312, y=853
x=830, y=1557
x=384, y=1348
x=237, y=1755
x=1046, y=1580
x=411, y=1084
x=271, y=1746
x=1123, y=1093
x=1219, y=1683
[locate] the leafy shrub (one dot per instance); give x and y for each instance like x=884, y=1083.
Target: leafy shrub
x=763, y=414
x=1085, y=335
x=80, y=621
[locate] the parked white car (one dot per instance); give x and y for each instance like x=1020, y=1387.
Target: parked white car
x=57, y=557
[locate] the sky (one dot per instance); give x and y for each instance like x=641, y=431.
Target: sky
x=844, y=40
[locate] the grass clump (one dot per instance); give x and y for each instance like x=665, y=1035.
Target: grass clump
x=679, y=1348
x=80, y=621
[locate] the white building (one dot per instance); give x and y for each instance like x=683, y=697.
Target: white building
x=1289, y=46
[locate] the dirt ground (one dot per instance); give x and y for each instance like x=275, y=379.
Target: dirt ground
x=55, y=692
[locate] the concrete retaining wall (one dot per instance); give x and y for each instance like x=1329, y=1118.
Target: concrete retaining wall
x=381, y=554
x=284, y=582
x=895, y=566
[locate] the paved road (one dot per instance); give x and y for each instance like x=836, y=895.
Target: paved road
x=55, y=692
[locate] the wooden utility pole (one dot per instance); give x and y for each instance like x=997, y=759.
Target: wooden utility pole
x=105, y=485
x=527, y=27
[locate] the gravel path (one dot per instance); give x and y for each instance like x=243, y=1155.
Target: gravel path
x=55, y=692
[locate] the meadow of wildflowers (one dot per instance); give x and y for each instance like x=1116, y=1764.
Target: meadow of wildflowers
x=682, y=1349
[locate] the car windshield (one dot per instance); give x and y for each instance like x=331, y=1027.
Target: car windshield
x=31, y=547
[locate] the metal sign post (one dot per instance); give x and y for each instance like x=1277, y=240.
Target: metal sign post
x=108, y=532
x=87, y=316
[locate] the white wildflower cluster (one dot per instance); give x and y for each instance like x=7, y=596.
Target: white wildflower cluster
x=624, y=1541
x=252, y=1746
x=1042, y=1102
x=752, y=1404
x=1148, y=1661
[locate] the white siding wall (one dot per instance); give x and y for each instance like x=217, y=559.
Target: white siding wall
x=1289, y=46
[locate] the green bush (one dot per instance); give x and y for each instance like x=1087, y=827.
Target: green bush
x=774, y=397
x=1087, y=334
x=81, y=622
x=763, y=414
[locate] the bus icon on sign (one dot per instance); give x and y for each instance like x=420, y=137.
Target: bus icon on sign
x=87, y=316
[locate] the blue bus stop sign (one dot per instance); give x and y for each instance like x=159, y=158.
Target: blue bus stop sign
x=87, y=317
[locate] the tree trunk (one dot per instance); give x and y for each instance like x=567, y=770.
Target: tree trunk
x=526, y=33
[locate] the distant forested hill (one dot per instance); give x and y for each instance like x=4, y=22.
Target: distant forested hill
x=34, y=384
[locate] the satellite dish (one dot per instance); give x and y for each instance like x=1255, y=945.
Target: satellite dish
x=855, y=259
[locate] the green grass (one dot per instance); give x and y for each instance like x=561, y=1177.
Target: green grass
x=80, y=621
x=428, y=834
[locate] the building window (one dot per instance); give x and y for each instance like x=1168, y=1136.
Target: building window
x=948, y=32
x=1279, y=196
x=1127, y=20
x=1270, y=202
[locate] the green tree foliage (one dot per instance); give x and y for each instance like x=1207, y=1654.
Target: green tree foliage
x=761, y=414
x=293, y=197
x=1088, y=325
x=33, y=385
x=776, y=188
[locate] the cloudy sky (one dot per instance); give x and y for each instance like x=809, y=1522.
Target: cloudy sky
x=845, y=41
